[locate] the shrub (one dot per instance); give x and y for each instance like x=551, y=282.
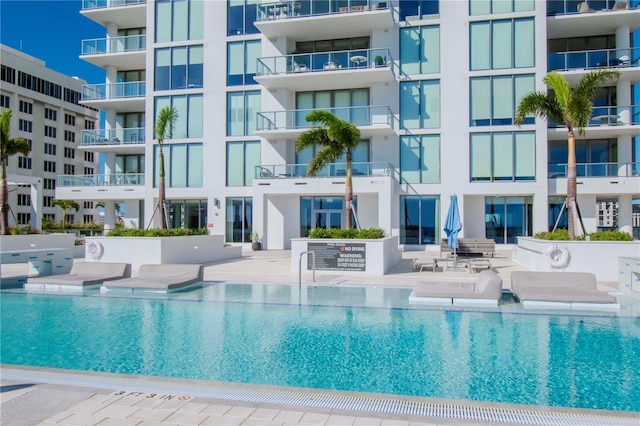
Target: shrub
x=365, y=234
x=563, y=235
x=156, y=232
x=557, y=235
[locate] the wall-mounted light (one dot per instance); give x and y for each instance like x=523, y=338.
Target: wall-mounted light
x=216, y=202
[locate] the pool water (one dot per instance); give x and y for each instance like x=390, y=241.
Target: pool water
x=559, y=360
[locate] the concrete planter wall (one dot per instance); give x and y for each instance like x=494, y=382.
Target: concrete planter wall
x=36, y=241
x=158, y=250
x=598, y=257
x=379, y=255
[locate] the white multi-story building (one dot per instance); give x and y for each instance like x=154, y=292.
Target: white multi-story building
x=45, y=111
x=432, y=85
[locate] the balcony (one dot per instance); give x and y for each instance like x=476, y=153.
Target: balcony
x=122, y=52
x=606, y=121
x=123, y=140
x=318, y=71
x=124, y=13
x=576, y=64
x=123, y=97
x=309, y=20
x=572, y=18
x=284, y=171
x=596, y=170
x=122, y=186
x=597, y=178
x=371, y=120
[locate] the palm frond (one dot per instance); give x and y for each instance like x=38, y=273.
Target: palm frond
x=313, y=136
x=165, y=122
x=17, y=146
x=579, y=113
x=324, y=118
x=5, y=124
x=560, y=86
x=327, y=155
x=539, y=104
x=590, y=85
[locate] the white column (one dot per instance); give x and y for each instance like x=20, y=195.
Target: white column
x=623, y=100
x=109, y=165
x=36, y=204
x=625, y=210
x=109, y=215
x=588, y=209
x=625, y=156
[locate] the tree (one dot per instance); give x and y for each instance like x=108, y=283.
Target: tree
x=8, y=147
x=573, y=108
x=116, y=207
x=66, y=205
x=165, y=122
x=336, y=138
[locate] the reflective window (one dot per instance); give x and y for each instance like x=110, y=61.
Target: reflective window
x=485, y=7
x=507, y=218
x=420, y=104
x=494, y=100
x=420, y=50
x=502, y=44
x=504, y=156
x=241, y=16
x=323, y=212
x=190, y=214
x=179, y=68
x=182, y=165
x=242, y=110
x=239, y=220
x=242, y=62
x=178, y=20
x=190, y=114
x=242, y=160
x=419, y=219
x=420, y=158
x=343, y=103
x=418, y=9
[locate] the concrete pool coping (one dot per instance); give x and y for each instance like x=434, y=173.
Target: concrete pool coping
x=105, y=398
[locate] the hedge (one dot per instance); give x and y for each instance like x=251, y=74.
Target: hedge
x=363, y=234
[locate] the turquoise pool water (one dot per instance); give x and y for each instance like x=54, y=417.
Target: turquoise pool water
x=569, y=361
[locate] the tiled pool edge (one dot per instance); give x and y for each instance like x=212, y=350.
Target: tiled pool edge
x=375, y=405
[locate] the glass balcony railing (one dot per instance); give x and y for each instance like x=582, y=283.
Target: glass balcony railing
x=596, y=170
x=589, y=59
x=331, y=170
x=565, y=7
x=324, y=61
x=127, y=136
x=120, y=179
x=295, y=9
x=103, y=4
x=96, y=92
x=610, y=116
x=101, y=46
x=296, y=119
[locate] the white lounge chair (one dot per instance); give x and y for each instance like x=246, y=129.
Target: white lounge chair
x=158, y=278
x=422, y=264
x=83, y=275
x=485, y=290
x=560, y=290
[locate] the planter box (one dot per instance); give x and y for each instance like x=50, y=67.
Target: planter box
x=347, y=256
x=36, y=242
x=597, y=257
x=158, y=250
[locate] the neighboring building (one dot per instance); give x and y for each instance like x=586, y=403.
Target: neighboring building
x=45, y=111
x=432, y=85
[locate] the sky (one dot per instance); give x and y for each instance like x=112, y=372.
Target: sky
x=51, y=30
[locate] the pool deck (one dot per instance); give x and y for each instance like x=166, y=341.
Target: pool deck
x=32, y=396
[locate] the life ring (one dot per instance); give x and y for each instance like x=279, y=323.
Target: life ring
x=95, y=250
x=558, y=257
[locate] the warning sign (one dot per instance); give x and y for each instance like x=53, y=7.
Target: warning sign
x=338, y=256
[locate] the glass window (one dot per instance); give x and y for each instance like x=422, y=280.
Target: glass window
x=179, y=68
x=339, y=102
x=502, y=44
x=507, y=218
x=190, y=114
x=418, y=8
x=242, y=160
x=182, y=165
x=239, y=220
x=241, y=17
x=178, y=20
x=419, y=219
x=420, y=158
x=502, y=156
x=420, y=50
x=485, y=7
x=190, y=214
x=494, y=100
x=242, y=111
x=420, y=104
x=163, y=69
x=242, y=62
x=163, y=21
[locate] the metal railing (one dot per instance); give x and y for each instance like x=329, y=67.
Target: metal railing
x=596, y=170
x=103, y=4
x=118, y=179
x=610, y=116
x=325, y=61
x=283, y=171
x=102, y=46
x=126, y=136
x=296, y=119
x=131, y=89
x=295, y=9
x=589, y=59
x=569, y=7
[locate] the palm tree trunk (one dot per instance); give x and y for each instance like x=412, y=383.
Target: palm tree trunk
x=161, y=191
x=571, y=183
x=4, y=201
x=349, y=193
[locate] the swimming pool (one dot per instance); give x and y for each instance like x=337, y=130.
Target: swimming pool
x=370, y=341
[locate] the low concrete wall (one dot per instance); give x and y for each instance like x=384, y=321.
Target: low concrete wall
x=597, y=257
x=158, y=250
x=36, y=241
x=380, y=255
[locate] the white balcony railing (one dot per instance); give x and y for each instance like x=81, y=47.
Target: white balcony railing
x=102, y=46
x=103, y=4
x=296, y=119
x=125, y=136
x=96, y=92
x=118, y=179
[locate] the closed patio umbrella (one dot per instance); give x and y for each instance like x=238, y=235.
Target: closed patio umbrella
x=452, y=226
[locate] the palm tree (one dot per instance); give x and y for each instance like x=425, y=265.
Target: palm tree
x=66, y=205
x=8, y=147
x=164, y=128
x=573, y=108
x=336, y=137
x=116, y=206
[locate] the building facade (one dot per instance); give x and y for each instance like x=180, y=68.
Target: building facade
x=432, y=85
x=45, y=111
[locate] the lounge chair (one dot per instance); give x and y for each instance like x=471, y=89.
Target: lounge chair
x=83, y=275
x=422, y=264
x=560, y=290
x=486, y=290
x=158, y=278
